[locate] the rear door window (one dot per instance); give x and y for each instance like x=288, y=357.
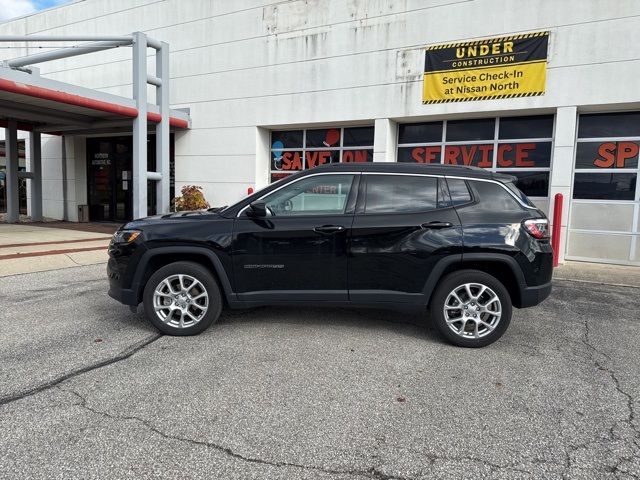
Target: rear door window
x=403, y=194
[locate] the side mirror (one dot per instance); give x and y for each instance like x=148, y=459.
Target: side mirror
x=257, y=209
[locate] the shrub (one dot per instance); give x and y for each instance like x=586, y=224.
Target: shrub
x=192, y=198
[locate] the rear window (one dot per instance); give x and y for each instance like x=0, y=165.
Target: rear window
x=495, y=197
x=519, y=193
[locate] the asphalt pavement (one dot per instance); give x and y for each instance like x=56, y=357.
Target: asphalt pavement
x=90, y=390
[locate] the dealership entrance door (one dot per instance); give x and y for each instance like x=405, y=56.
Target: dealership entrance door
x=109, y=178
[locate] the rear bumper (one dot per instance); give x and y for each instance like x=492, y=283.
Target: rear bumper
x=530, y=296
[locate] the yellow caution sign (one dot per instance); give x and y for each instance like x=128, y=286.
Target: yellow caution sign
x=502, y=67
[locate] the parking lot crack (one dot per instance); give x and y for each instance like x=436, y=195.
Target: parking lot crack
x=373, y=473
x=630, y=420
x=123, y=355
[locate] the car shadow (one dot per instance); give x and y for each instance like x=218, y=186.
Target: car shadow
x=414, y=325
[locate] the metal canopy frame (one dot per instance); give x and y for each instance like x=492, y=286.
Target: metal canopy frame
x=40, y=105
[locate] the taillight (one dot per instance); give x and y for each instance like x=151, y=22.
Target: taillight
x=537, y=228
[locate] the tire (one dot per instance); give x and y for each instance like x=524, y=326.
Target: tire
x=187, y=296
x=492, y=316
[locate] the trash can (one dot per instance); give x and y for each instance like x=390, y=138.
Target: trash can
x=83, y=213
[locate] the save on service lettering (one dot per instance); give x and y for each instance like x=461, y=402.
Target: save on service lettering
x=517, y=155
x=500, y=67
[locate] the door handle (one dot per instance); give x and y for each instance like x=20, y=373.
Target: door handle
x=329, y=229
x=437, y=225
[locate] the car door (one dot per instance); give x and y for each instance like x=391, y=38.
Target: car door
x=298, y=252
x=404, y=225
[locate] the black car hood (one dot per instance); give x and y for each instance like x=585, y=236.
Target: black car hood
x=191, y=215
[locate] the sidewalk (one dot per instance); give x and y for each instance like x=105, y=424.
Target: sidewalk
x=26, y=248
x=598, y=273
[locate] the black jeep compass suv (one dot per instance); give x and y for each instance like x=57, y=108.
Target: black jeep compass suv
x=462, y=242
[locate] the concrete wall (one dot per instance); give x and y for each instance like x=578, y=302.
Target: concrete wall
x=247, y=65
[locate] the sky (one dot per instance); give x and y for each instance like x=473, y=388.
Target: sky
x=15, y=8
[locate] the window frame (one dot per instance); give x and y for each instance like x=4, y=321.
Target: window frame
x=496, y=142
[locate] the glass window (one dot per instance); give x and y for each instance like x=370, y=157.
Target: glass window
x=321, y=146
x=524, y=155
x=316, y=195
x=287, y=160
x=315, y=158
x=509, y=148
x=605, y=186
x=470, y=155
x=358, y=136
x=420, y=132
x=526, y=127
x=532, y=184
x=426, y=154
x=357, y=156
x=400, y=194
x=496, y=197
x=278, y=176
x=481, y=129
x=600, y=125
x=607, y=154
x=458, y=191
x=286, y=139
x=325, y=138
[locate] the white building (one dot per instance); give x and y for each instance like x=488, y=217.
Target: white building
x=250, y=70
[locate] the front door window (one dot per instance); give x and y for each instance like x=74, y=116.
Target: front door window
x=317, y=195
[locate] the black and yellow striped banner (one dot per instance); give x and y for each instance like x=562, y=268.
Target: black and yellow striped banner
x=502, y=67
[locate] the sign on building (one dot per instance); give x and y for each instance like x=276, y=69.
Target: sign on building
x=501, y=67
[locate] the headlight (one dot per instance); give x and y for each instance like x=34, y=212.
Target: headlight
x=125, y=236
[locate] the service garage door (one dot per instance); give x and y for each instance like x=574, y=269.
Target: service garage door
x=605, y=209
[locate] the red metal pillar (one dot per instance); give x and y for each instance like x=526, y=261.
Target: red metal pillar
x=557, y=227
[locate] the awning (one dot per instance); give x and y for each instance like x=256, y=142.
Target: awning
x=49, y=106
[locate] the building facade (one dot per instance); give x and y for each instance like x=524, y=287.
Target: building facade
x=273, y=87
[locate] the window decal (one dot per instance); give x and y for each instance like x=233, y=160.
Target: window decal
x=296, y=150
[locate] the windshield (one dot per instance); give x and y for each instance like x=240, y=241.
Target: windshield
x=519, y=193
x=225, y=208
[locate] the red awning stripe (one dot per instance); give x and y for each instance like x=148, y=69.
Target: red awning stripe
x=178, y=122
x=79, y=101
x=67, y=98
x=173, y=121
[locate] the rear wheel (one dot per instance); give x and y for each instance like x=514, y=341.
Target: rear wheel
x=182, y=298
x=471, y=308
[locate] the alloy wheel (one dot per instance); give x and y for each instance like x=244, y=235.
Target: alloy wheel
x=180, y=301
x=472, y=310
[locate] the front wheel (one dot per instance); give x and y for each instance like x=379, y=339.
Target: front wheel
x=471, y=308
x=182, y=298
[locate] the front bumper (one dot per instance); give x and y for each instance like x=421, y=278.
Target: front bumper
x=123, y=295
x=530, y=296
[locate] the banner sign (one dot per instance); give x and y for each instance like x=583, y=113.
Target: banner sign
x=501, y=67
